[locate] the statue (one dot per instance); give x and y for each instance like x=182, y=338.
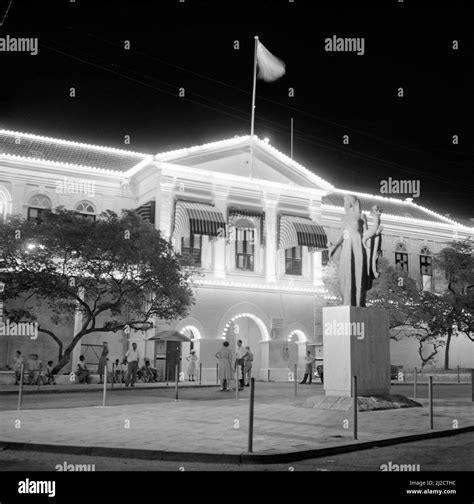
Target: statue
x=360, y=251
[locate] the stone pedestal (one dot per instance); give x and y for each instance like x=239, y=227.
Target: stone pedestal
x=356, y=342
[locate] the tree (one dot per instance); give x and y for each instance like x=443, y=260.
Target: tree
x=118, y=266
x=394, y=290
x=456, y=261
x=411, y=313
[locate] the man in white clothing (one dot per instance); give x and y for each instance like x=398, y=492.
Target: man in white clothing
x=240, y=354
x=133, y=359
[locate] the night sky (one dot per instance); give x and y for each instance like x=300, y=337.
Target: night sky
x=190, y=45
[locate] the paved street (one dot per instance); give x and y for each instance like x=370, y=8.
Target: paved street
x=265, y=393
x=453, y=453
x=209, y=421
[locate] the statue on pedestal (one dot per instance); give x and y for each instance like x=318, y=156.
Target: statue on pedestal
x=361, y=248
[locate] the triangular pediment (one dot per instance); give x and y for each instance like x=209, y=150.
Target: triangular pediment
x=234, y=158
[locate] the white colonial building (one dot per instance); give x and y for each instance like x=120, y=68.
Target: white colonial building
x=259, y=240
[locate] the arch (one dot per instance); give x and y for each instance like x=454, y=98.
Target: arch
x=40, y=200
x=193, y=329
x=258, y=321
x=245, y=309
x=301, y=335
x=425, y=250
x=401, y=246
x=244, y=222
x=86, y=207
x=191, y=324
x=5, y=203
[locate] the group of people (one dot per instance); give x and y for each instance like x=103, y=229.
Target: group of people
x=127, y=371
x=242, y=365
x=36, y=374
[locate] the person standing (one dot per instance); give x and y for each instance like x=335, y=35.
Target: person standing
x=18, y=361
x=117, y=371
x=133, y=358
x=103, y=361
x=248, y=366
x=192, y=359
x=225, y=365
x=240, y=354
x=308, y=371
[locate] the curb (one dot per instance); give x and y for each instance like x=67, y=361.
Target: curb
x=242, y=458
x=99, y=389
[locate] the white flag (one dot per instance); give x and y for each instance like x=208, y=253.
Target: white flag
x=270, y=68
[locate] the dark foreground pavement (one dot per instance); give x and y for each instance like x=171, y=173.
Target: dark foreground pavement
x=453, y=453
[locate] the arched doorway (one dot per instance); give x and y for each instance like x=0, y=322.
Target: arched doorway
x=194, y=334
x=252, y=331
x=296, y=349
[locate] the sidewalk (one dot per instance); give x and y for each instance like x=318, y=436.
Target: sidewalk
x=202, y=430
x=94, y=387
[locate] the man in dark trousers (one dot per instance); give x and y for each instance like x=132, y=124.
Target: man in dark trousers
x=240, y=354
x=133, y=359
x=308, y=371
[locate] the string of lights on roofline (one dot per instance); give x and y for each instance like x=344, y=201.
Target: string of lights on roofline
x=264, y=286
x=226, y=142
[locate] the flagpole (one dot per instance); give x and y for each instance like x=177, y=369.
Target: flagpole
x=253, y=104
x=291, y=136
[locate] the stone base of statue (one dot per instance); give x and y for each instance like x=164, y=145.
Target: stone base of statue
x=356, y=342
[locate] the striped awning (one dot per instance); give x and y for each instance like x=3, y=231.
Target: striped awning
x=198, y=218
x=147, y=212
x=302, y=231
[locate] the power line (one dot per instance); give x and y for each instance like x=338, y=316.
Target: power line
x=294, y=109
x=302, y=136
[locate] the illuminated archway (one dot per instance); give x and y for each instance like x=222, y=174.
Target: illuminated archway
x=299, y=334
x=257, y=320
x=191, y=329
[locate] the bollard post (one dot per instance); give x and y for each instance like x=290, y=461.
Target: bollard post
x=295, y=376
x=113, y=374
x=176, y=386
x=472, y=385
x=415, y=378
x=459, y=376
x=200, y=373
x=217, y=374
x=104, y=394
x=355, y=406
x=268, y=374
x=430, y=395
x=39, y=375
x=236, y=381
x=20, y=390
x=251, y=409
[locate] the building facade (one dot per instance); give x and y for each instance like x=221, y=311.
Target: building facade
x=260, y=240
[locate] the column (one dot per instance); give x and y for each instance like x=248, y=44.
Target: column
x=271, y=202
x=317, y=264
x=221, y=195
x=165, y=203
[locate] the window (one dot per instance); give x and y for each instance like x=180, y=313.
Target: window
x=401, y=256
x=86, y=210
x=37, y=206
x=426, y=269
x=426, y=262
x=245, y=249
x=293, y=261
x=3, y=206
x=401, y=261
x=191, y=249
